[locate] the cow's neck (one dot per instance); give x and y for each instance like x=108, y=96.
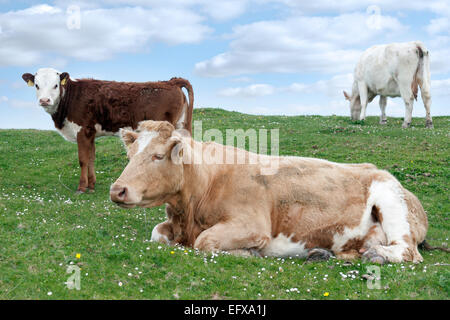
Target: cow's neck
x=67, y=96
x=192, y=192
x=189, y=202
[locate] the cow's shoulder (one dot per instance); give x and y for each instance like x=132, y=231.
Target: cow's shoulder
x=69, y=130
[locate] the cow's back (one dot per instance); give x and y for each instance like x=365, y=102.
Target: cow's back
x=382, y=66
x=112, y=105
x=309, y=200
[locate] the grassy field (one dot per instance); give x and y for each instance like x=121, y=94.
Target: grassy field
x=45, y=227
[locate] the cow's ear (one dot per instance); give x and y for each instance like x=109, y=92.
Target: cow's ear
x=128, y=137
x=182, y=133
x=64, y=77
x=176, y=149
x=28, y=78
x=346, y=96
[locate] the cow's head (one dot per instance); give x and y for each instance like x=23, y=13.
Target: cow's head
x=49, y=85
x=155, y=170
x=355, y=105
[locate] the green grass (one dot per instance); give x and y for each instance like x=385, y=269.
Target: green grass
x=44, y=224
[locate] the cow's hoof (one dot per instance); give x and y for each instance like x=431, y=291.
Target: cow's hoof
x=79, y=191
x=429, y=124
x=406, y=125
x=255, y=253
x=244, y=253
x=383, y=121
x=372, y=256
x=91, y=190
x=319, y=254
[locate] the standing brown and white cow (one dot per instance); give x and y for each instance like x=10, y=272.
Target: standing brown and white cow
x=85, y=109
x=306, y=207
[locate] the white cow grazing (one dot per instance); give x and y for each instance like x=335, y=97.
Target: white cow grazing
x=391, y=70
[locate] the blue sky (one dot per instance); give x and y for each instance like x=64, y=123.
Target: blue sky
x=253, y=56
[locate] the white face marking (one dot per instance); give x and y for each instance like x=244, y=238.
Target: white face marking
x=282, y=246
x=47, y=83
x=69, y=130
x=144, y=139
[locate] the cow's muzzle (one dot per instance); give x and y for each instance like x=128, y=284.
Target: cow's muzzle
x=118, y=194
x=125, y=195
x=44, y=102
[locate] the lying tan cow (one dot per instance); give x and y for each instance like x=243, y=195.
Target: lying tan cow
x=308, y=207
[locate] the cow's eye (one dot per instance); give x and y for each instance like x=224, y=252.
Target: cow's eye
x=37, y=87
x=157, y=157
x=56, y=86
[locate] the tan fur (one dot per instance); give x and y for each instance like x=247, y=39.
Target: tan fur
x=417, y=219
x=234, y=206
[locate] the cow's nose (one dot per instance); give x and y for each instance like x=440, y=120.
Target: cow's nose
x=118, y=193
x=44, y=101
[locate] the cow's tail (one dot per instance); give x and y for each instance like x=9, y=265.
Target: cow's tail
x=424, y=245
x=422, y=77
x=183, y=83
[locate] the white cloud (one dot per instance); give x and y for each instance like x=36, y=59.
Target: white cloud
x=15, y=103
x=299, y=44
x=440, y=87
x=19, y=84
x=241, y=79
x=437, y=6
x=39, y=34
x=439, y=61
x=217, y=10
x=439, y=41
x=254, y=90
x=332, y=87
x=224, y=10
x=438, y=25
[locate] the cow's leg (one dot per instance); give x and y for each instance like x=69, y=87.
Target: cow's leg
x=383, y=102
x=84, y=145
x=163, y=233
x=388, y=197
x=426, y=98
x=423, y=79
x=408, y=97
x=348, y=255
x=375, y=236
x=91, y=166
x=395, y=251
x=408, y=113
x=245, y=253
x=232, y=236
x=319, y=254
x=363, y=95
x=84, y=141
